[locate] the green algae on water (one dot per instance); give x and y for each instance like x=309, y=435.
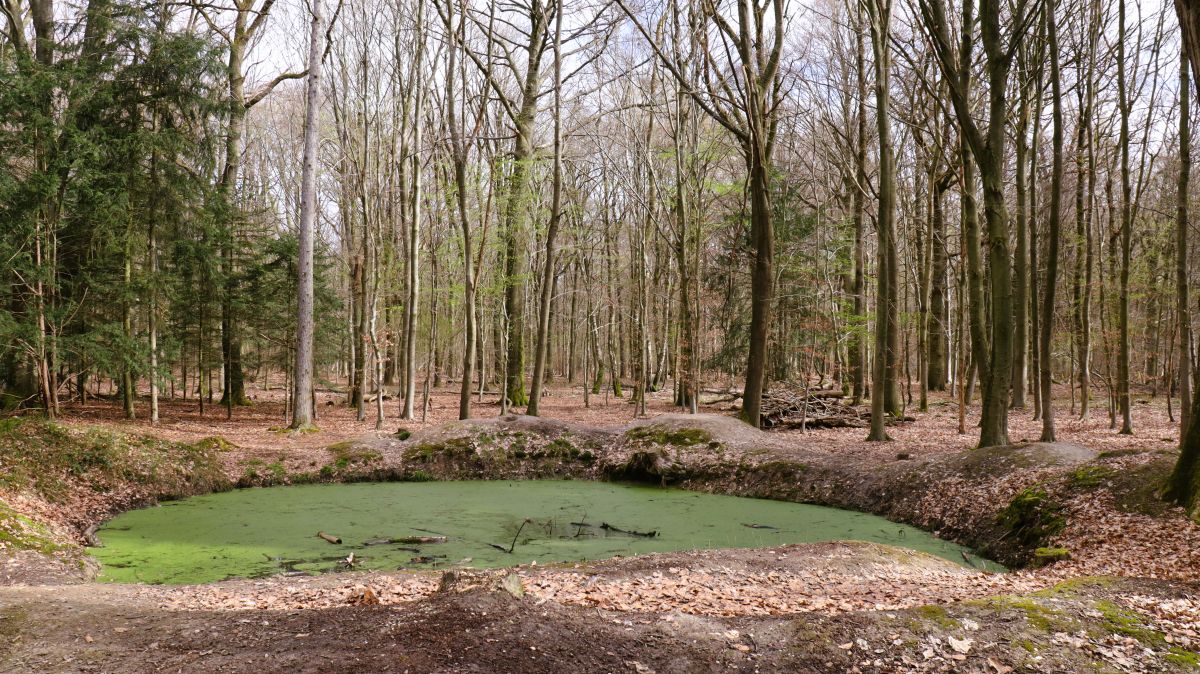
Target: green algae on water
x=259, y=532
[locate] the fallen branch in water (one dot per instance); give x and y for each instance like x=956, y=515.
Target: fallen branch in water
x=512, y=545
x=644, y=534
x=332, y=539
x=417, y=540
x=408, y=540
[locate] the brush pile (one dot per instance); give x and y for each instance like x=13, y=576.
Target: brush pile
x=791, y=407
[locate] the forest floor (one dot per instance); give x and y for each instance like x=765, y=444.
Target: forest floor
x=1126, y=598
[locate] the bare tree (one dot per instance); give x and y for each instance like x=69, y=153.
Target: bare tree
x=993, y=356
x=302, y=396
x=1054, y=227
x=742, y=92
x=879, y=13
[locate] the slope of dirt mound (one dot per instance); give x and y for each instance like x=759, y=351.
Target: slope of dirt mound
x=537, y=427
x=692, y=429
x=1035, y=455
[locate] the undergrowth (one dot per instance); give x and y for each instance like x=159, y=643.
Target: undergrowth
x=57, y=464
x=51, y=460
x=1033, y=517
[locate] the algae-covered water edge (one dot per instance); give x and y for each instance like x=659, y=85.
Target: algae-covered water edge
x=259, y=532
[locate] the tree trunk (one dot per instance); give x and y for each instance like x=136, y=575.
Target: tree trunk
x=857, y=343
x=1183, y=487
x=1021, y=275
x=1123, y=100
x=1053, y=230
x=938, y=327
x=542, y=349
x=1183, y=312
x=879, y=12
x=302, y=392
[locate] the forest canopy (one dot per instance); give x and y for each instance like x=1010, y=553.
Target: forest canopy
x=892, y=198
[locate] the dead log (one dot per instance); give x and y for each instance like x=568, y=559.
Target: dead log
x=644, y=534
x=90, y=537
x=419, y=540
x=327, y=537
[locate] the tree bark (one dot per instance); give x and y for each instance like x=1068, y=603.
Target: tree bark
x=1053, y=228
x=541, y=350
x=1183, y=311
x=302, y=392
x=1123, y=103
x=879, y=12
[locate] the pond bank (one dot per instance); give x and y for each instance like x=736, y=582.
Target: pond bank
x=1023, y=505
x=800, y=608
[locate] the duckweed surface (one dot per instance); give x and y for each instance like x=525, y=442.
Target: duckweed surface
x=259, y=532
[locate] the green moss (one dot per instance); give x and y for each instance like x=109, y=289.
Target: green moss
x=288, y=430
x=938, y=616
x=214, y=443
x=349, y=453
x=1127, y=623
x=562, y=448
x=22, y=533
x=1075, y=586
x=519, y=447
x=682, y=437
x=1087, y=478
x=1033, y=517
x=1048, y=556
x=250, y=472
x=1027, y=645
x=403, y=434
x=260, y=473
x=1042, y=618
x=427, y=452
x=1183, y=658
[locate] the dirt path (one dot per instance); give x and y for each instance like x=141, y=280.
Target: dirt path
x=611, y=617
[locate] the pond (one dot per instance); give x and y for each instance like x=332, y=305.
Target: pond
x=252, y=533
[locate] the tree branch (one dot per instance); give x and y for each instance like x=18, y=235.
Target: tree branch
x=266, y=89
